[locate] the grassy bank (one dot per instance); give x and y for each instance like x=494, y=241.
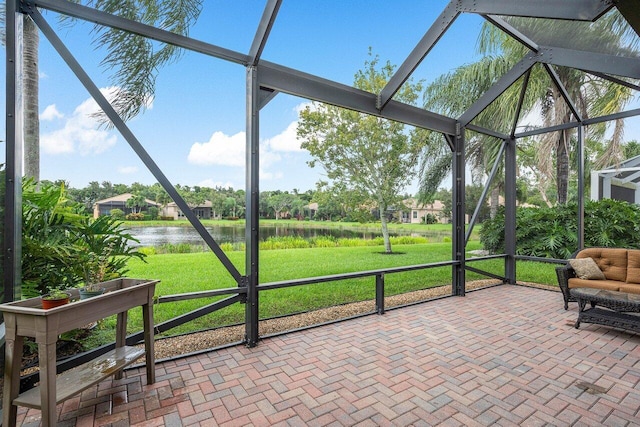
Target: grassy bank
x=182, y=273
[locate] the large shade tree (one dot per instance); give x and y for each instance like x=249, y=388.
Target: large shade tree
x=132, y=61
x=363, y=152
x=453, y=93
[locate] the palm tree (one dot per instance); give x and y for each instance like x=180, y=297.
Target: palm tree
x=593, y=96
x=134, y=60
x=481, y=151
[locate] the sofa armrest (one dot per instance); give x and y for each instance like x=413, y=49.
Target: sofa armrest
x=564, y=273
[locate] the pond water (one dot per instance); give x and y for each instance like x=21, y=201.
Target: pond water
x=157, y=236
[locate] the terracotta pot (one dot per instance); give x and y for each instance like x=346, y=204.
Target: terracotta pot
x=51, y=303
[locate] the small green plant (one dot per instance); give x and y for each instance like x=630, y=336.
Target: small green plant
x=96, y=270
x=55, y=294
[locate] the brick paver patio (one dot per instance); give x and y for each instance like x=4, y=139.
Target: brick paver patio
x=500, y=356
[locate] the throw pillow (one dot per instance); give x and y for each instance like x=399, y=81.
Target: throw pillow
x=586, y=268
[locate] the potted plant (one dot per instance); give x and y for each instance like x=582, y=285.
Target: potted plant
x=96, y=271
x=55, y=298
x=104, y=250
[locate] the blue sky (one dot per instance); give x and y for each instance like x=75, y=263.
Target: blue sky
x=194, y=129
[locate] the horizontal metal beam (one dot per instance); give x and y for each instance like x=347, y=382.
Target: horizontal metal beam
x=498, y=88
x=540, y=131
x=354, y=275
x=287, y=80
x=103, y=18
x=615, y=116
x=591, y=61
x=431, y=37
x=540, y=259
x=574, y=10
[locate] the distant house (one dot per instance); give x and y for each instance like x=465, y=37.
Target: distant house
x=104, y=207
x=418, y=211
x=618, y=182
x=202, y=211
x=312, y=208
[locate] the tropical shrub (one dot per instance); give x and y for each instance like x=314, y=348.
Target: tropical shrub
x=59, y=241
x=47, y=249
x=135, y=217
x=552, y=232
x=153, y=212
x=117, y=213
x=430, y=219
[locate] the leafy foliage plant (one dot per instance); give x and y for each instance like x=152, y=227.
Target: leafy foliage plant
x=60, y=244
x=552, y=232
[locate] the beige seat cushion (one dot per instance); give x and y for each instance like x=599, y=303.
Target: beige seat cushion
x=630, y=288
x=609, y=285
x=633, y=266
x=612, y=261
x=586, y=268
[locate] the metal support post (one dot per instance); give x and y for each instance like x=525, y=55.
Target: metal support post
x=581, y=132
x=458, y=213
x=252, y=225
x=510, y=210
x=12, y=235
x=380, y=293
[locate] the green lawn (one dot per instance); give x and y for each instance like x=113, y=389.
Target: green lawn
x=182, y=273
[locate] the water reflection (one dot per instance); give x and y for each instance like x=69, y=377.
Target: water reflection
x=157, y=236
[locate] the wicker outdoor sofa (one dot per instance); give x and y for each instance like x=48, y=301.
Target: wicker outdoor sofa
x=619, y=270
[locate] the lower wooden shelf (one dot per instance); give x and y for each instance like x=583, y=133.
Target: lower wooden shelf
x=84, y=376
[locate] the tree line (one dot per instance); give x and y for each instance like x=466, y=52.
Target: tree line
x=333, y=204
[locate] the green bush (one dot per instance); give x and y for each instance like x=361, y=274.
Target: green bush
x=59, y=240
x=153, y=212
x=117, y=213
x=552, y=232
x=430, y=219
x=135, y=217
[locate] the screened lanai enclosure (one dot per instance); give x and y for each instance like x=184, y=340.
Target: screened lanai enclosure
x=554, y=39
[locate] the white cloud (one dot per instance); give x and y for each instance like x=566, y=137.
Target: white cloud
x=43, y=75
x=80, y=133
x=51, y=113
x=221, y=150
x=127, y=170
x=286, y=140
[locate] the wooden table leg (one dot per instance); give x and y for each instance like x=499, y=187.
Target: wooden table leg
x=121, y=336
x=12, y=364
x=147, y=317
x=47, y=363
